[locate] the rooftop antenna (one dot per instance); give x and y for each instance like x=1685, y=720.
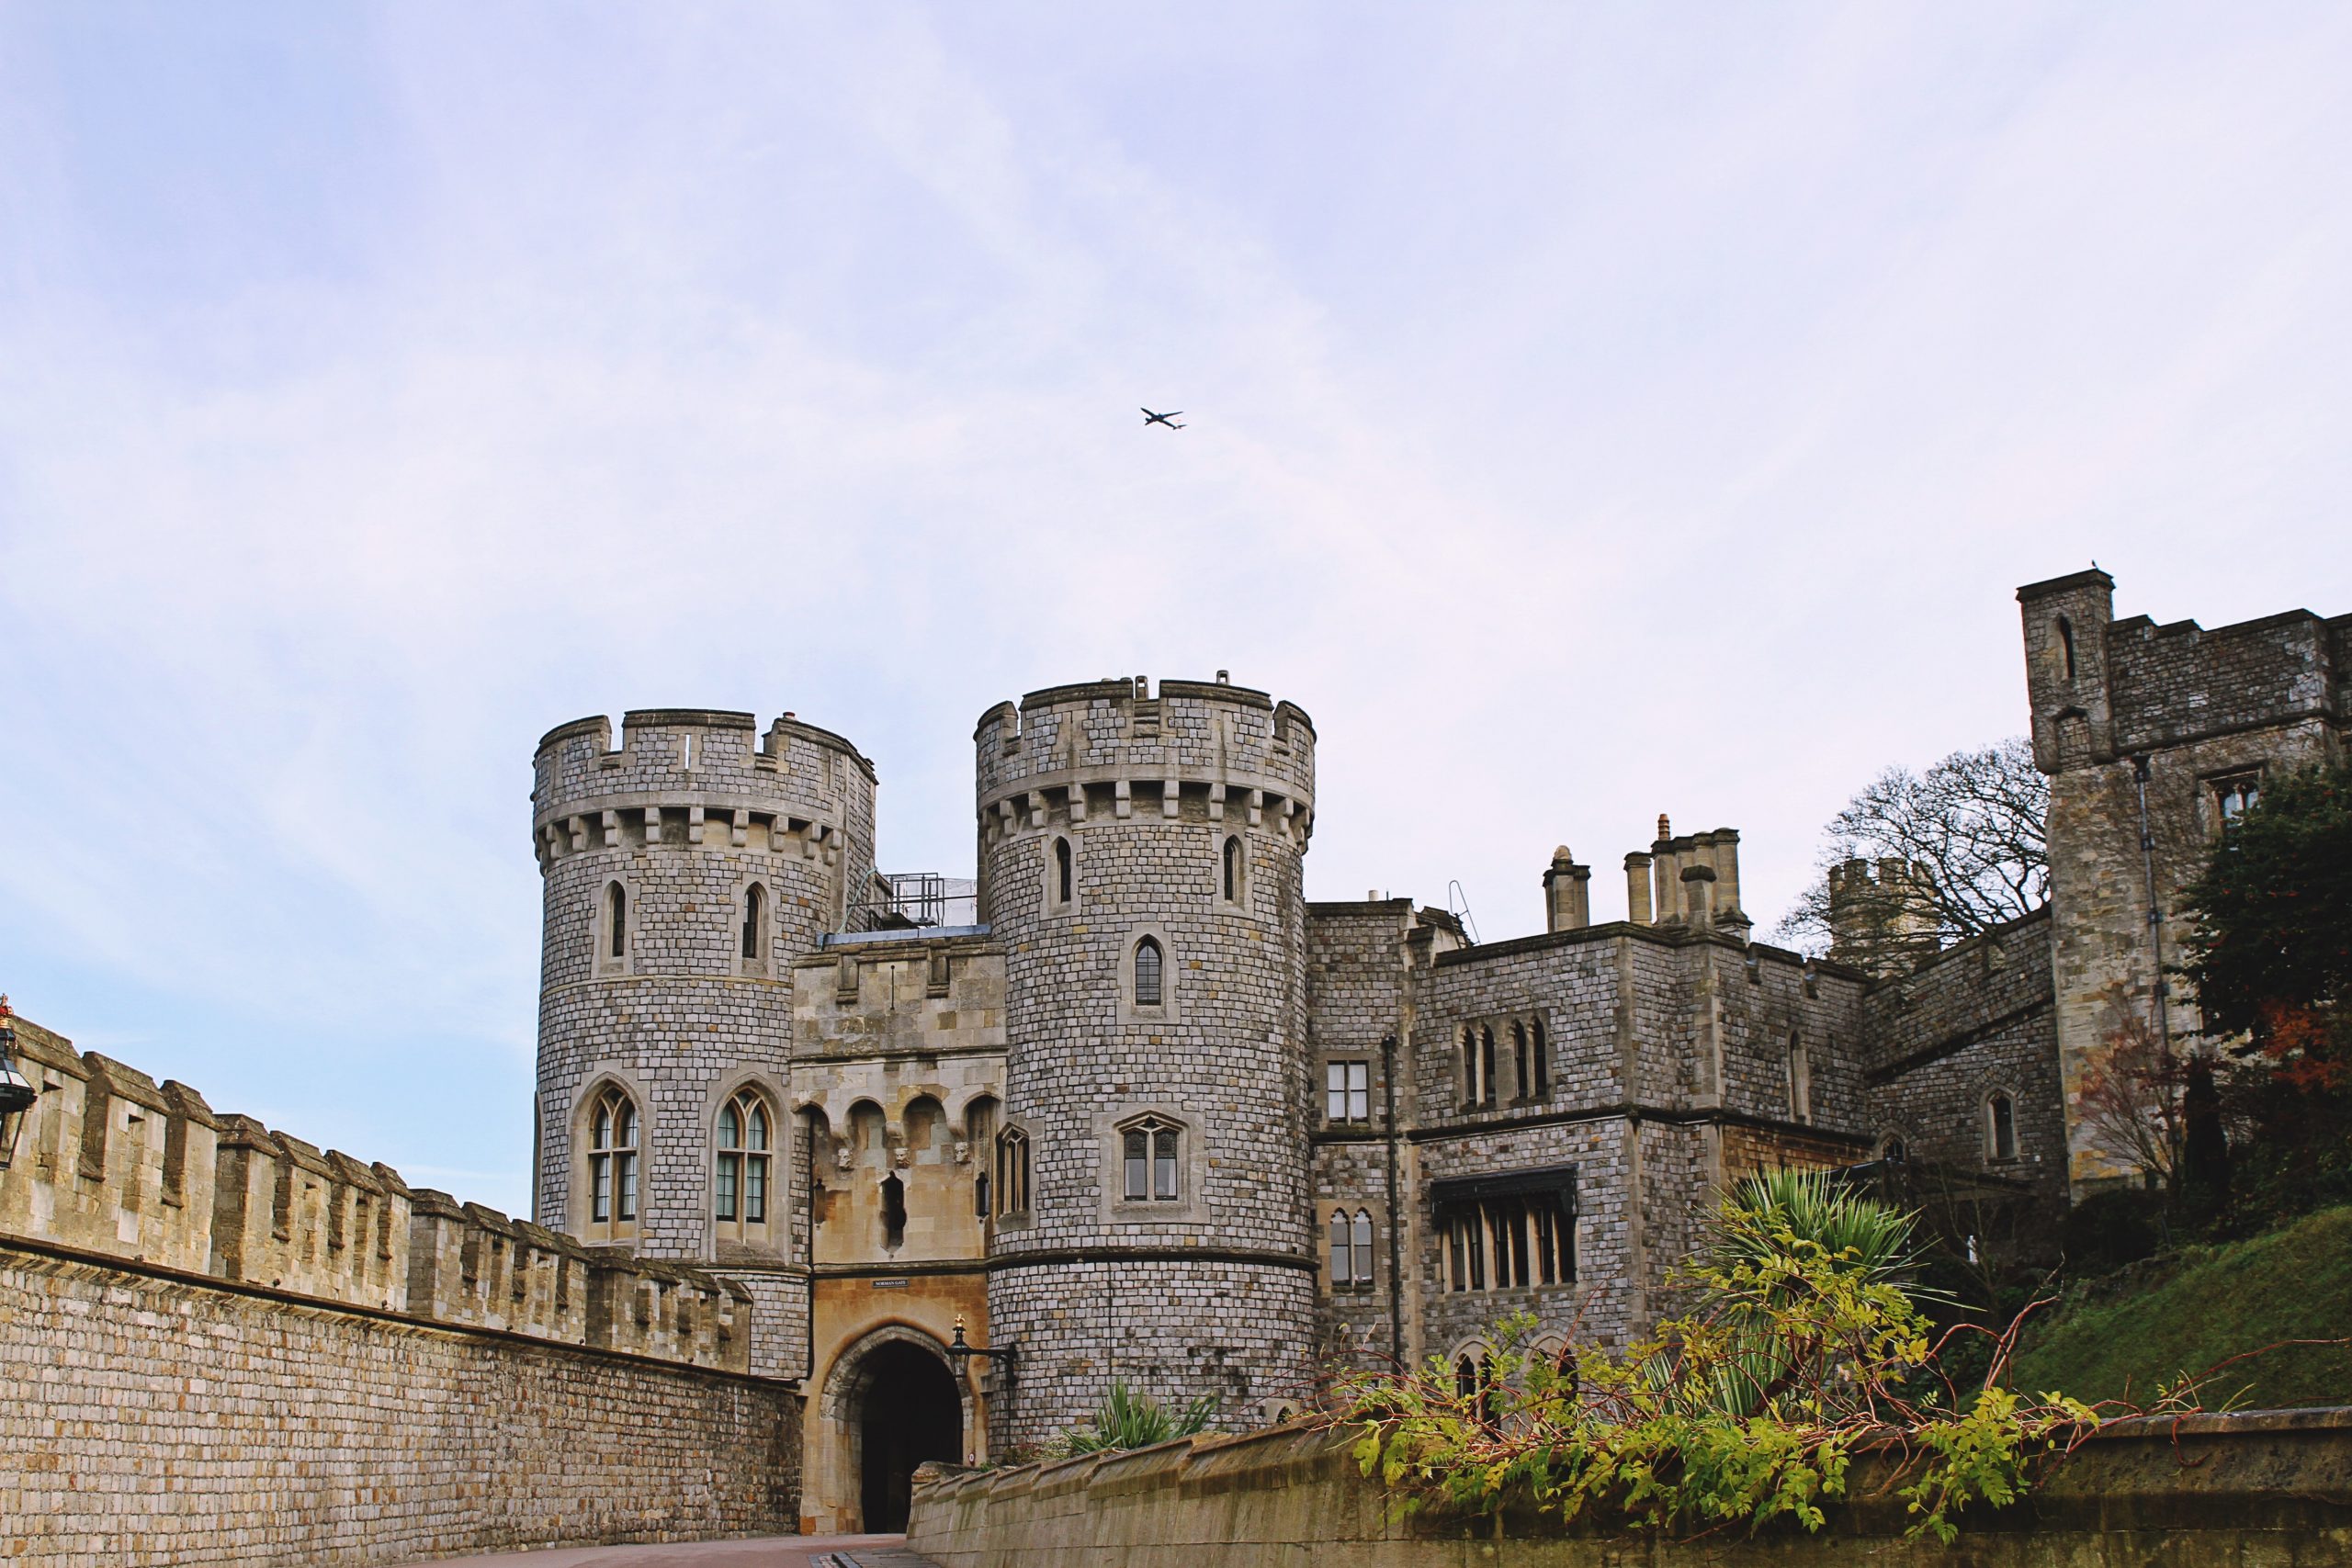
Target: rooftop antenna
x=1457, y=904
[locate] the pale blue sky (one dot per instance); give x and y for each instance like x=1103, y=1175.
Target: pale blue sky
x=1594, y=411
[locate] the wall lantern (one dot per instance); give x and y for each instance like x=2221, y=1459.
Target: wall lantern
x=960, y=1354
x=17, y=1094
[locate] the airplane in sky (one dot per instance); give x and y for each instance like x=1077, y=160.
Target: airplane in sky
x=1168, y=418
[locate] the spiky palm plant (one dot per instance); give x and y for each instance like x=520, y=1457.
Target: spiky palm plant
x=1128, y=1420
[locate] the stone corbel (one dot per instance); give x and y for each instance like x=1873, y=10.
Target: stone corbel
x=1122, y=804
x=612, y=829
x=694, y=824
x=578, y=827
x=1005, y=815
x=555, y=841
x=740, y=834
x=1257, y=806
x=1216, y=803
x=1036, y=808
x=963, y=1152
x=652, y=824
x=1171, y=797
x=1078, y=803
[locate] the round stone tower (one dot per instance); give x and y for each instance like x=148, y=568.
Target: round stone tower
x=1140, y=861
x=682, y=874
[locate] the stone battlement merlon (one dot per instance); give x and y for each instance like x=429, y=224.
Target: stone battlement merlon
x=681, y=772
x=1102, y=745
x=716, y=748
x=111, y=1164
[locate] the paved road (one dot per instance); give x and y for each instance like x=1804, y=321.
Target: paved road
x=771, y=1552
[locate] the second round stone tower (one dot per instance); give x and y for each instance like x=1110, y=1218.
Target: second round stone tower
x=1140, y=859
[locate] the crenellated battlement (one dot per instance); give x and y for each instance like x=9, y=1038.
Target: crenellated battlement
x=693, y=776
x=1203, y=751
x=110, y=1162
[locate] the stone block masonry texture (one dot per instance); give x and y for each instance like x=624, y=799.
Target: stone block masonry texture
x=156, y=1420
x=1111, y=820
x=694, y=829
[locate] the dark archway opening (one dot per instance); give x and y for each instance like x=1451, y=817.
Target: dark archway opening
x=908, y=1413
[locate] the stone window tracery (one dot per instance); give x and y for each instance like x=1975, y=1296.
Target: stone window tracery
x=612, y=1164
x=1149, y=1162
x=1012, y=1172
x=740, y=1183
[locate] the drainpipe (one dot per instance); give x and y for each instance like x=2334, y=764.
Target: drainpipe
x=2155, y=923
x=1396, y=1208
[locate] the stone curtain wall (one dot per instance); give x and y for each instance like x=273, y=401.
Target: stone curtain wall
x=159, y=1417
x=2266, y=1487
x=1976, y=1019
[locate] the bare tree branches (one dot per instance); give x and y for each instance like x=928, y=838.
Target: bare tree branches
x=1974, y=822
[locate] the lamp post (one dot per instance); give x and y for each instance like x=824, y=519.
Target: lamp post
x=17, y=1093
x=960, y=1354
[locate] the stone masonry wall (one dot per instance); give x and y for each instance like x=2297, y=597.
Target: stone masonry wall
x=1976, y=1019
x=691, y=813
x=2211, y=1492
x=158, y=1418
x=2201, y=708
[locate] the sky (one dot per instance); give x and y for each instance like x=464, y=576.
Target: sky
x=1591, y=411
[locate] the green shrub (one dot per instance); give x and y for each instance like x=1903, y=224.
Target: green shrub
x=1128, y=1420
x=1803, y=1345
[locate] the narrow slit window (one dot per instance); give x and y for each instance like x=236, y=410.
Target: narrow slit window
x=894, y=1212
x=754, y=912
x=1469, y=1066
x=1486, y=1067
x=2003, y=1116
x=1363, y=1246
x=2066, y=646
x=1800, y=1080
x=1342, y=1257
x=1542, y=1060
x=1233, y=870
x=1065, y=871
x=616, y=919
x=1522, y=1069
x=1149, y=963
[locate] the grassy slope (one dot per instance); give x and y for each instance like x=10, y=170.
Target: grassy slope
x=2294, y=1283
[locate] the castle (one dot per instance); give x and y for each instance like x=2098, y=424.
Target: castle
x=951, y=1157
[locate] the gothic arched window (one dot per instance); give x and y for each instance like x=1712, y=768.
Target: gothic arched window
x=1064, y=873
x=1233, y=870
x=2000, y=1126
x=740, y=1182
x=1012, y=1172
x=1362, y=1246
x=617, y=920
x=1151, y=963
x=612, y=1161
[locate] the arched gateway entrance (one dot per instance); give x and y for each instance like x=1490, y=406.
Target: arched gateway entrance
x=897, y=1405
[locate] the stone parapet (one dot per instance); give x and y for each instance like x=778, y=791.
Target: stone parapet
x=2259, y=1486
x=110, y=1164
